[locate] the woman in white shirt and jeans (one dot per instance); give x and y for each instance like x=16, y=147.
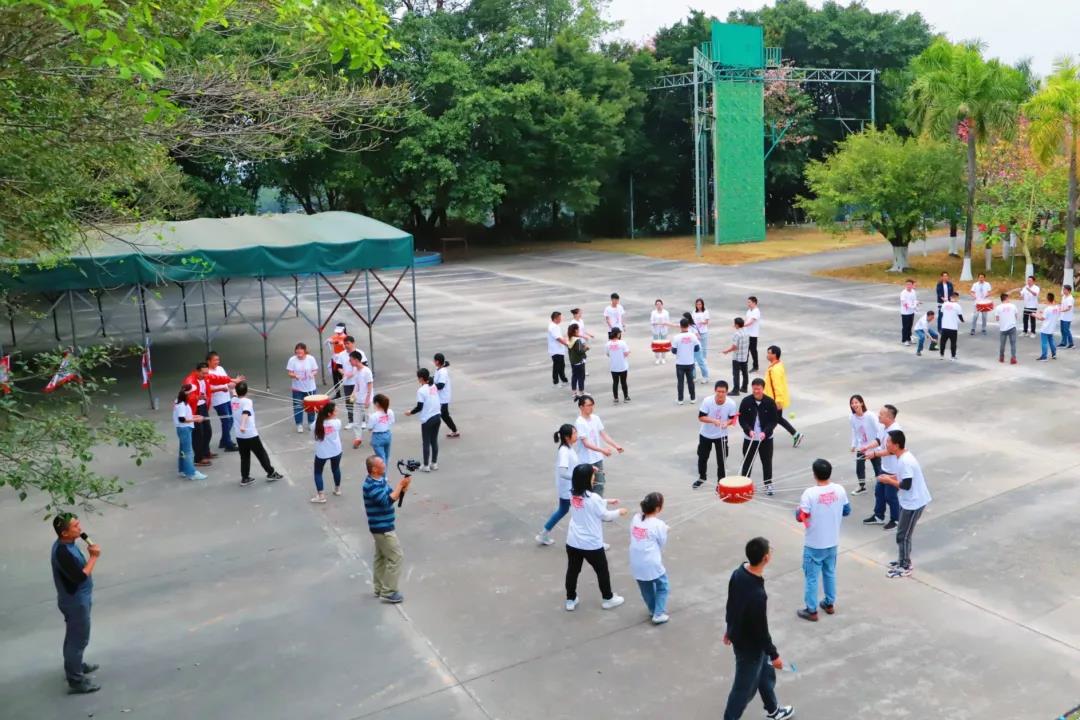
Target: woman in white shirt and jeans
x=327, y=432
x=428, y=406
x=648, y=535
x=566, y=459
x=585, y=539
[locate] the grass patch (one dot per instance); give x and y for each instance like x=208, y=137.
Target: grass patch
x=927, y=270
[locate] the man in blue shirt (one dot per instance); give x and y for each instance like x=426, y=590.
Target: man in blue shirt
x=74, y=595
x=379, y=502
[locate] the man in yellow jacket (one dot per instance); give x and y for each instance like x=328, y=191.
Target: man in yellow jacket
x=776, y=388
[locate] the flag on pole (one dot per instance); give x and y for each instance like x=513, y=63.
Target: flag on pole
x=5, y=374
x=147, y=370
x=64, y=374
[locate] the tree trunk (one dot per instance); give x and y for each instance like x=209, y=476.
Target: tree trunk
x=899, y=259
x=1070, y=214
x=969, y=229
x=953, y=228
x=989, y=258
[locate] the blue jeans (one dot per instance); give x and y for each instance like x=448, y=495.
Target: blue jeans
x=298, y=408
x=754, y=673
x=76, y=614
x=224, y=411
x=185, y=461
x=380, y=445
x=335, y=469
x=701, y=357
x=921, y=335
x=1046, y=340
x=815, y=560
x=1066, y=334
x=564, y=507
x=655, y=594
x=886, y=495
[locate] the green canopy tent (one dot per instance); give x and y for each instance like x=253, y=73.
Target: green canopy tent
x=206, y=254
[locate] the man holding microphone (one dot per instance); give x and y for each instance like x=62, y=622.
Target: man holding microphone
x=74, y=595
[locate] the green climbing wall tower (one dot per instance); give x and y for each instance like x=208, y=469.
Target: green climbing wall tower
x=738, y=145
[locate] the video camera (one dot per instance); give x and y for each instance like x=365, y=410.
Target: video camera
x=406, y=468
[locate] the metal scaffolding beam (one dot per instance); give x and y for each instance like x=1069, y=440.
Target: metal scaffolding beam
x=794, y=75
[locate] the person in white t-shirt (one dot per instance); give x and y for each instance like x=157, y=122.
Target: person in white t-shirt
x=717, y=413
x=346, y=373
x=429, y=409
x=594, y=444
x=864, y=431
x=1029, y=295
x=926, y=326
x=914, y=497
x=648, y=535
x=1065, y=321
x=1005, y=315
x=700, y=318
x=247, y=438
x=221, y=401
x=980, y=292
x=752, y=326
x=951, y=317
x=585, y=537
x=184, y=421
x=557, y=346
x=361, y=392
x=442, y=383
x=885, y=496
x=659, y=319
x=909, y=303
x=1050, y=317
x=327, y=434
x=821, y=510
x=576, y=317
x=302, y=368
x=685, y=346
x=566, y=459
x=614, y=315
x=381, y=419
x=618, y=353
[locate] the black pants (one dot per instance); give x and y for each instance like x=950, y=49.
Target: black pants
x=704, y=448
x=739, y=368
x=906, y=323
x=754, y=675
x=597, y=559
x=202, y=434
x=429, y=435
x=558, y=369
x=782, y=422
x=948, y=336
x=577, y=377
x=685, y=373
x=335, y=378
x=444, y=413
x=1029, y=317
x=249, y=447
x=753, y=352
x=618, y=378
x=349, y=390
x=764, y=449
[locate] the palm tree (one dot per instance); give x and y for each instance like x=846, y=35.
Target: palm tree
x=1054, y=113
x=956, y=91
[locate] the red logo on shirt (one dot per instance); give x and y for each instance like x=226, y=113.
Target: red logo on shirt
x=639, y=533
x=828, y=498
x=577, y=501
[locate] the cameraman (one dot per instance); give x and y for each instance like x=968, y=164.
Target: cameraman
x=379, y=502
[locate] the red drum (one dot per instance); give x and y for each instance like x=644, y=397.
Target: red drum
x=315, y=403
x=984, y=307
x=661, y=346
x=735, y=489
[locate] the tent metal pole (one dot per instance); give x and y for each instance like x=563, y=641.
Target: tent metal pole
x=11, y=319
x=100, y=312
x=318, y=320
x=224, y=301
x=183, y=300
x=55, y=321
x=416, y=318
x=146, y=342
x=71, y=315
x=296, y=294
x=205, y=316
x=370, y=322
x=266, y=346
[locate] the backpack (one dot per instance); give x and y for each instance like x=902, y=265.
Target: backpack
x=578, y=351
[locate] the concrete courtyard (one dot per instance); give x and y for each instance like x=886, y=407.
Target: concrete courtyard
x=213, y=601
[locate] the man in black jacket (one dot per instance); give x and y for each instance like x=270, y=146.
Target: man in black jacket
x=756, y=658
x=945, y=289
x=758, y=417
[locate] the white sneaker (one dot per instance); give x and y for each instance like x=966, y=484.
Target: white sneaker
x=363, y=425
x=678, y=402
x=434, y=466
x=544, y=538
x=425, y=468
x=198, y=476
x=664, y=361
x=660, y=619
x=614, y=602
x=656, y=362
x=571, y=604
x=349, y=426
x=607, y=546
x=319, y=498
x=299, y=428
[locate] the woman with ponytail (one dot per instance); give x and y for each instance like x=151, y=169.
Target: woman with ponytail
x=566, y=459
x=648, y=535
x=429, y=408
x=585, y=538
x=327, y=431
x=442, y=382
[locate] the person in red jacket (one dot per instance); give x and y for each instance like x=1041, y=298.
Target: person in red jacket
x=199, y=400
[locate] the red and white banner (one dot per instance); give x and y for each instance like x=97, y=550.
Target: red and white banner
x=147, y=370
x=64, y=374
x=5, y=374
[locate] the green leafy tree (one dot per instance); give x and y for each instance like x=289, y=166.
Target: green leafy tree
x=895, y=186
x=1054, y=112
x=956, y=92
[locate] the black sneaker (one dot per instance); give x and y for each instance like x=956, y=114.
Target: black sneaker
x=859, y=490
x=781, y=713
x=698, y=483
x=84, y=688
x=88, y=668
x=616, y=400
x=274, y=476
x=626, y=399
x=244, y=482
x=768, y=489
x=231, y=449
x=796, y=440
x=873, y=520
x=734, y=394
x=805, y=614
x=891, y=525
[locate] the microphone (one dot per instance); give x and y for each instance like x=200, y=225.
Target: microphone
x=86, y=539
